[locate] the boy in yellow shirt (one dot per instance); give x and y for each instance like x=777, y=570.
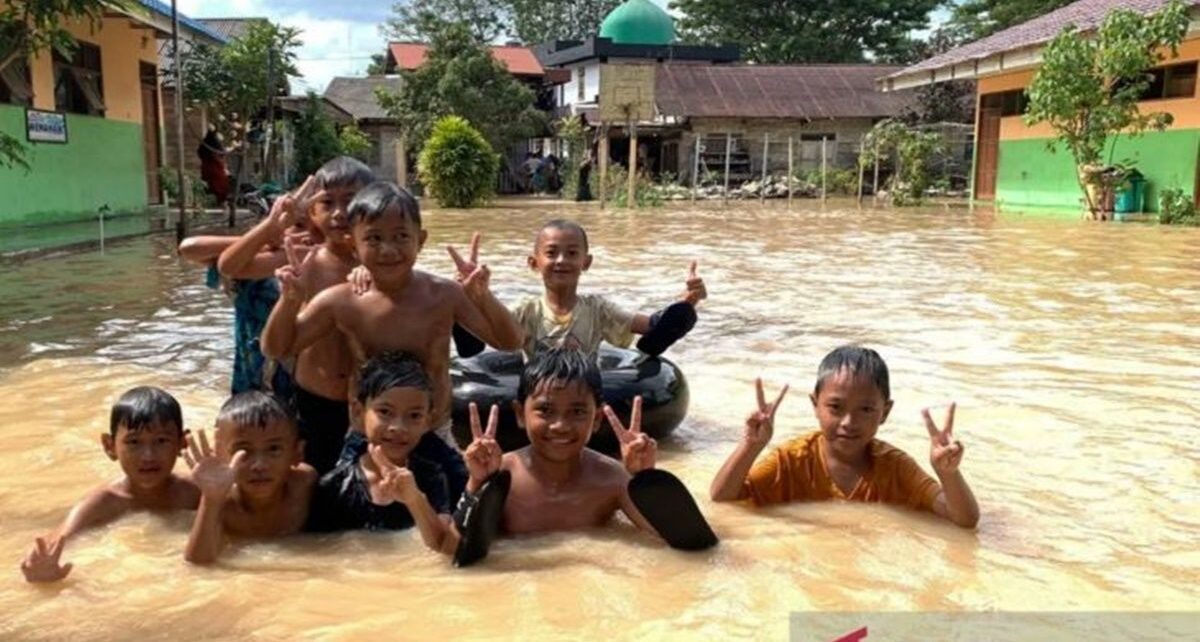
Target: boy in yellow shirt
x=844, y=460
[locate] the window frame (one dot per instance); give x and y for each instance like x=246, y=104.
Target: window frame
x=73, y=94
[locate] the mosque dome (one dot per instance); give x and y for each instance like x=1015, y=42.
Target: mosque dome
x=639, y=22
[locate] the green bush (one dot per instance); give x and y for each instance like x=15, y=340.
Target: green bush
x=839, y=182
x=1177, y=208
x=354, y=142
x=457, y=164
x=316, y=138
x=645, y=192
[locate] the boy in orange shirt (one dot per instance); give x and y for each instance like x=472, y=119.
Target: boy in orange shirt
x=843, y=460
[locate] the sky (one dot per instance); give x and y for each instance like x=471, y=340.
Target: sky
x=339, y=35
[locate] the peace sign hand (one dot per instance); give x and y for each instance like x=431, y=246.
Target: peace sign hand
x=210, y=472
x=289, y=208
x=397, y=482
x=473, y=276
x=41, y=564
x=945, y=452
x=291, y=276
x=483, y=454
x=696, y=290
x=638, y=450
x=760, y=425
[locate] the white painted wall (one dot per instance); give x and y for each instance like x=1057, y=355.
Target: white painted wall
x=569, y=92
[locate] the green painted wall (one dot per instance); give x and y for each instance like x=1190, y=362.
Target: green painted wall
x=1031, y=177
x=101, y=164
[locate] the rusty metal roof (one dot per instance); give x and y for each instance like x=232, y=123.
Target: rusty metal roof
x=1085, y=15
x=776, y=91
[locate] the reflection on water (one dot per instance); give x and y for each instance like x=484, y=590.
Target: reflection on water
x=1073, y=350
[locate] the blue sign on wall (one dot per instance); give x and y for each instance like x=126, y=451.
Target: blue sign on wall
x=45, y=126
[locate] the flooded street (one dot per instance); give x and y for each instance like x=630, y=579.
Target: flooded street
x=1072, y=349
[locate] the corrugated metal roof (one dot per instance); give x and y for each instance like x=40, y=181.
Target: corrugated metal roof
x=357, y=95
x=163, y=9
x=1085, y=15
x=776, y=91
x=231, y=28
x=520, y=61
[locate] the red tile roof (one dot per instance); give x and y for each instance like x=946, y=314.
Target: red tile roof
x=519, y=61
x=1084, y=14
x=776, y=91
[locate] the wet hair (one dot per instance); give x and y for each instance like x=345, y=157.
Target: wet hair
x=343, y=171
x=373, y=200
x=143, y=407
x=565, y=225
x=256, y=408
x=861, y=362
x=560, y=366
x=390, y=370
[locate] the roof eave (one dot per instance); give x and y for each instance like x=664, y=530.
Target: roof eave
x=157, y=16
x=1017, y=59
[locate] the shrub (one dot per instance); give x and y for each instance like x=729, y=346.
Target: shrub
x=1177, y=208
x=457, y=164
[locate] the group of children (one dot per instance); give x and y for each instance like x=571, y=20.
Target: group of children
x=342, y=387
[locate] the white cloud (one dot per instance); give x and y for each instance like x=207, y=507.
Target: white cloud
x=333, y=46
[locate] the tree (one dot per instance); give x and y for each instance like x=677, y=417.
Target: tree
x=354, y=142
x=975, y=19
x=237, y=81
x=460, y=77
x=537, y=21
x=790, y=31
x=29, y=27
x=457, y=164
x=1088, y=89
x=316, y=137
x=378, y=65
x=421, y=20
x=944, y=102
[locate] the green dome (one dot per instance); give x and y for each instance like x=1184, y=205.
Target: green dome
x=639, y=22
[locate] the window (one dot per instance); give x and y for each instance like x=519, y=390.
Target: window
x=1010, y=103
x=581, y=84
x=16, y=88
x=78, y=83
x=1172, y=81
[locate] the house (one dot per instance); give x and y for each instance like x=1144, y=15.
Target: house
x=356, y=96
x=91, y=122
x=1013, y=166
x=704, y=92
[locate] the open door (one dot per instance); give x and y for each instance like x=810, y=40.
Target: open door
x=987, y=145
x=151, y=131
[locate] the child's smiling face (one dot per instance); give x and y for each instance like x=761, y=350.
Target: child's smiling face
x=147, y=455
x=388, y=245
x=560, y=256
x=560, y=419
x=395, y=420
x=271, y=451
x=327, y=211
x=850, y=409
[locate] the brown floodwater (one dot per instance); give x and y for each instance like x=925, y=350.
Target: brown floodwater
x=1073, y=350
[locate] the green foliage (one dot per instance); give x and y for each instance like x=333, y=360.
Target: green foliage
x=538, y=21
x=378, y=65
x=461, y=78
x=29, y=27
x=791, y=31
x=574, y=133
x=422, y=20
x=942, y=102
x=316, y=138
x=457, y=164
x=616, y=187
x=840, y=182
x=1175, y=207
x=974, y=19
x=1087, y=88
x=914, y=149
x=236, y=80
x=197, y=190
x=353, y=142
